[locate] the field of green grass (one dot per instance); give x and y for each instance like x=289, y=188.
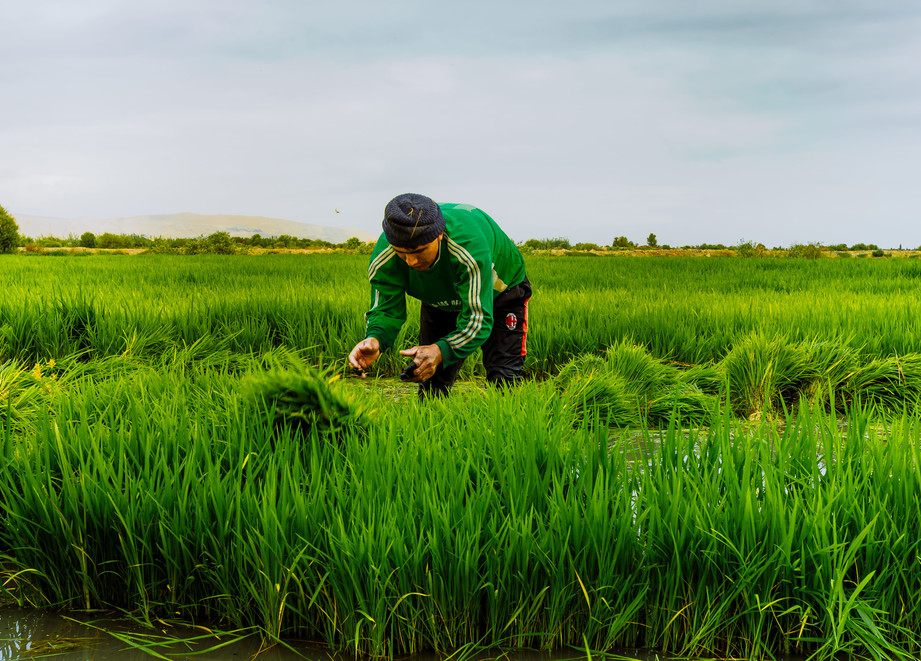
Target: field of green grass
x=713, y=457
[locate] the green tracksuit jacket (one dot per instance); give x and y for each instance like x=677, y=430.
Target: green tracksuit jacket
x=476, y=262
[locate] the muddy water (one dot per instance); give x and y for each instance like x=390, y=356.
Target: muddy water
x=60, y=636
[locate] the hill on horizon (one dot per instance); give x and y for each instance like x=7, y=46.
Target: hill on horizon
x=186, y=225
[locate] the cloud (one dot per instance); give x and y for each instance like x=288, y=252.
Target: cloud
x=779, y=122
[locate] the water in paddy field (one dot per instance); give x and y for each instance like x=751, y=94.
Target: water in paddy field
x=61, y=636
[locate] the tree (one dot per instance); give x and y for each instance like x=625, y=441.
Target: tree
x=622, y=242
x=651, y=240
x=220, y=243
x=9, y=233
x=87, y=240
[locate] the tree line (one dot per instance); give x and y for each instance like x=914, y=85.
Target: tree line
x=224, y=243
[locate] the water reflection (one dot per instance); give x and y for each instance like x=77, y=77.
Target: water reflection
x=30, y=634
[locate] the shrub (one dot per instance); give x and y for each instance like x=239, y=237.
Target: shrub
x=805, y=251
x=586, y=246
x=749, y=249
x=109, y=241
x=50, y=242
x=558, y=243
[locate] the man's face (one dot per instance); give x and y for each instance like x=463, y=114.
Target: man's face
x=420, y=258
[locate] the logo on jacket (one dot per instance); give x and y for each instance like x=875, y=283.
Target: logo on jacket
x=511, y=321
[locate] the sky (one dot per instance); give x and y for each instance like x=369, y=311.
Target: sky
x=713, y=121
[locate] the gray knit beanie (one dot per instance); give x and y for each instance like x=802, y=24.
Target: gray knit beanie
x=412, y=220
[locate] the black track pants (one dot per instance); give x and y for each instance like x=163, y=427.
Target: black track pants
x=503, y=351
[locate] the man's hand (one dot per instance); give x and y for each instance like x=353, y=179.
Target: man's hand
x=364, y=354
x=427, y=359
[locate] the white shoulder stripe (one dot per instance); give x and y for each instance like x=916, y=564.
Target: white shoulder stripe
x=385, y=256
x=475, y=323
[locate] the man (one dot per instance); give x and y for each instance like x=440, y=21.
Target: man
x=470, y=278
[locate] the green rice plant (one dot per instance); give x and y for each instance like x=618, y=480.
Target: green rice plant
x=776, y=577
x=467, y=521
x=180, y=462
x=23, y=392
x=765, y=373
x=680, y=309
x=579, y=367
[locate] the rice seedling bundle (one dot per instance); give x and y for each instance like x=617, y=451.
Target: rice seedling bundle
x=306, y=399
x=588, y=387
x=763, y=373
x=629, y=388
x=891, y=383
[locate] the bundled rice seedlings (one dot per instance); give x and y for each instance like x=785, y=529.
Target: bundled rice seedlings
x=629, y=387
x=660, y=388
x=764, y=373
x=684, y=402
x=709, y=378
x=890, y=383
x=590, y=392
x=832, y=364
x=307, y=399
x=644, y=372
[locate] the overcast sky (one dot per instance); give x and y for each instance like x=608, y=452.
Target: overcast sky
x=717, y=121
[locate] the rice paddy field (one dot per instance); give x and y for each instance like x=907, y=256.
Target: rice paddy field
x=712, y=458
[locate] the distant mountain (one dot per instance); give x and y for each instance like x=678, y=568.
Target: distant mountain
x=186, y=225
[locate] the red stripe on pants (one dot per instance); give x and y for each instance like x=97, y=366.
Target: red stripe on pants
x=524, y=329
